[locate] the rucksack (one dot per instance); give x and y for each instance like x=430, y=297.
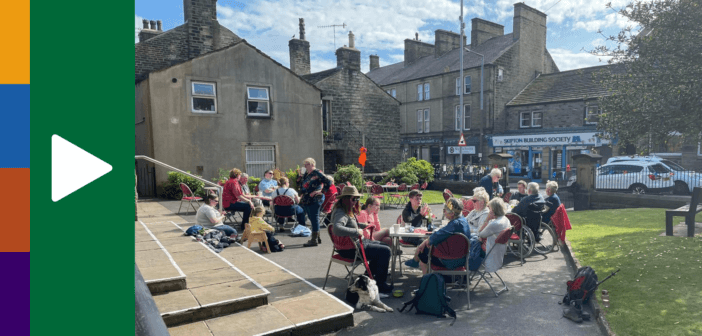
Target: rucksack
x=194, y=230
x=431, y=298
x=582, y=286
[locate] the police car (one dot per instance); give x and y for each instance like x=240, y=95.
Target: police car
x=684, y=180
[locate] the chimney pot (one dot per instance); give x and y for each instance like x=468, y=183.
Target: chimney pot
x=159, y=24
x=302, y=29
x=146, y=23
x=352, y=42
x=153, y=25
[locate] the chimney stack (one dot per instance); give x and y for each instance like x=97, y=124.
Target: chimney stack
x=482, y=30
x=352, y=41
x=202, y=26
x=145, y=22
x=149, y=30
x=349, y=58
x=416, y=49
x=300, y=52
x=445, y=41
x=159, y=25
x=374, y=62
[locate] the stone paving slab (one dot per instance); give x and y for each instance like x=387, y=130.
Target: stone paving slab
x=212, y=277
x=159, y=254
x=680, y=230
x=193, y=329
x=187, y=256
x=146, y=245
x=274, y=278
x=312, y=305
x=158, y=272
x=201, y=265
x=225, y=291
x=291, y=290
x=175, y=301
x=190, y=245
x=261, y=320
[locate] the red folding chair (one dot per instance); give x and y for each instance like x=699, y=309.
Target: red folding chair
x=455, y=247
x=468, y=206
x=400, y=197
x=283, y=209
x=502, y=239
x=188, y=197
x=343, y=243
x=377, y=192
x=447, y=194
x=424, y=186
x=506, y=197
x=521, y=242
x=326, y=209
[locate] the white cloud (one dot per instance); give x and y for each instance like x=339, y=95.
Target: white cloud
x=569, y=60
x=137, y=27
x=610, y=20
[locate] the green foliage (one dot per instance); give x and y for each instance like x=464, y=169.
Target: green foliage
x=222, y=176
x=253, y=182
x=401, y=175
x=411, y=171
x=349, y=173
x=292, y=174
x=171, y=189
x=421, y=168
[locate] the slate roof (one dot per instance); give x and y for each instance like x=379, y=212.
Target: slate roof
x=429, y=66
x=569, y=85
x=318, y=76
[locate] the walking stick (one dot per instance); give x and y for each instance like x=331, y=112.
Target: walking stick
x=365, y=261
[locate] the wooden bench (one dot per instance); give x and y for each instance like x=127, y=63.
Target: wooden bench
x=688, y=211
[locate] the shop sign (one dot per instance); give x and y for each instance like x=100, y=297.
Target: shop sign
x=459, y=149
x=586, y=138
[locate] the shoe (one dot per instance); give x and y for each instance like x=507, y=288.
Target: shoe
x=412, y=263
x=572, y=314
x=383, y=296
x=585, y=315
x=314, y=240
x=385, y=288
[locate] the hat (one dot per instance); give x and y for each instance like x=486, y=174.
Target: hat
x=414, y=192
x=454, y=205
x=350, y=191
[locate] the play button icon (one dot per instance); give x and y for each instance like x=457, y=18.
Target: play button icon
x=72, y=168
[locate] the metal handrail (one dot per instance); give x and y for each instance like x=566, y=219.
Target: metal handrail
x=219, y=188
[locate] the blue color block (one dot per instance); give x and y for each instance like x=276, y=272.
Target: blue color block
x=14, y=118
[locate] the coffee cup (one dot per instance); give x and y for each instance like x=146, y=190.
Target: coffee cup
x=396, y=228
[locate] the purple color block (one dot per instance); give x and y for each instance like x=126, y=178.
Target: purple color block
x=15, y=282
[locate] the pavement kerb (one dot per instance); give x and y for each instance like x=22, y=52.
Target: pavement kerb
x=594, y=306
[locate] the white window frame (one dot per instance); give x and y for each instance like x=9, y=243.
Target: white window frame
x=598, y=112
x=427, y=116
x=458, y=116
x=267, y=101
x=427, y=90
x=193, y=96
x=420, y=92
x=420, y=121
x=540, y=119
x=522, y=119
x=467, y=85
x=458, y=86
x=500, y=74
x=467, y=117
x=255, y=163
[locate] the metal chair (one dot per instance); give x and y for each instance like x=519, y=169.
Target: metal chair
x=377, y=192
x=326, y=209
x=501, y=239
x=454, y=247
x=400, y=197
x=468, y=206
x=521, y=236
x=188, y=197
x=284, y=209
x=338, y=244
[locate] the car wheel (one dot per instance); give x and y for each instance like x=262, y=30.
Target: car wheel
x=638, y=189
x=681, y=188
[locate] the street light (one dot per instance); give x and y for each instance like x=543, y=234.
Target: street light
x=482, y=66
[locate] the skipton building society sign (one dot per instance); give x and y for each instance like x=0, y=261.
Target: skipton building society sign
x=589, y=138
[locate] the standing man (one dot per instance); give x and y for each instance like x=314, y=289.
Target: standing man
x=491, y=183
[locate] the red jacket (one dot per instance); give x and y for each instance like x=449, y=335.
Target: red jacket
x=231, y=193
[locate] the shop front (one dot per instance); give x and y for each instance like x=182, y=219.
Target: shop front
x=544, y=156
x=442, y=150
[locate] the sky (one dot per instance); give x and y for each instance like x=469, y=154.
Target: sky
x=380, y=27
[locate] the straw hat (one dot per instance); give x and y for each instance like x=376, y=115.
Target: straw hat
x=350, y=191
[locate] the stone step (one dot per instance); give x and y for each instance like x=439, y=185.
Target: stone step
x=160, y=271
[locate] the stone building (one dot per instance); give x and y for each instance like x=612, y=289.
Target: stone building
x=552, y=119
x=355, y=110
x=427, y=84
x=223, y=108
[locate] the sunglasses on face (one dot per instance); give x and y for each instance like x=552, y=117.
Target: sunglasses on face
x=355, y=199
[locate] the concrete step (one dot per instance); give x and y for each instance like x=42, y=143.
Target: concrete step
x=160, y=271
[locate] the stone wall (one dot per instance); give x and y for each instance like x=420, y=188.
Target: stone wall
x=483, y=30
x=555, y=115
x=415, y=50
x=299, y=56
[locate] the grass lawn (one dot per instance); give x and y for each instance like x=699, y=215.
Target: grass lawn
x=659, y=288
x=429, y=196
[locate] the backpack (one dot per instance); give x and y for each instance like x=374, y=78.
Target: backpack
x=194, y=230
x=582, y=286
x=431, y=298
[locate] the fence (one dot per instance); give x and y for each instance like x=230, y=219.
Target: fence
x=146, y=181
x=452, y=172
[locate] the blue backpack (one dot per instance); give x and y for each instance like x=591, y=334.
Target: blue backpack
x=193, y=230
x=431, y=298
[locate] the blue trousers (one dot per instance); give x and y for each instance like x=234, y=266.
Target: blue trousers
x=312, y=211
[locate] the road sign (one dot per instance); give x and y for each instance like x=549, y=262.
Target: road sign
x=461, y=150
x=462, y=141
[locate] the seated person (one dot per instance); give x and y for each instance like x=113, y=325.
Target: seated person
x=345, y=225
x=521, y=193
x=491, y=183
x=257, y=224
x=243, y=181
x=207, y=215
x=457, y=224
x=329, y=199
x=284, y=189
x=530, y=209
x=477, y=217
x=369, y=215
x=233, y=198
x=266, y=187
x=489, y=232
x=552, y=201
x=415, y=213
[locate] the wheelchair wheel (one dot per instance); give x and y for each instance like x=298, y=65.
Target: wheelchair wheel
x=527, y=247
x=548, y=239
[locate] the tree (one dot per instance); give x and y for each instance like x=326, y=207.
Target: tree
x=659, y=92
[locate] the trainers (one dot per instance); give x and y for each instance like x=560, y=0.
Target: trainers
x=572, y=314
x=412, y=263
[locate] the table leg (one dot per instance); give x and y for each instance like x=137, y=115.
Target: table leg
x=395, y=242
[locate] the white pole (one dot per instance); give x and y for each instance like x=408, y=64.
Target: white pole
x=460, y=104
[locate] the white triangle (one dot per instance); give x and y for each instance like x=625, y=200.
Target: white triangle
x=72, y=168
x=462, y=141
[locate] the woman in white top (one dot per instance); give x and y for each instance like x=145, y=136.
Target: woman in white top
x=476, y=218
x=490, y=231
x=284, y=189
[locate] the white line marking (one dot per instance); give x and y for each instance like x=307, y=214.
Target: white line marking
x=165, y=279
x=164, y=249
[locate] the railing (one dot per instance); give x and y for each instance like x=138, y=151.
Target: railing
x=452, y=172
x=219, y=188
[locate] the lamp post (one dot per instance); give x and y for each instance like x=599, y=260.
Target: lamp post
x=460, y=103
x=482, y=66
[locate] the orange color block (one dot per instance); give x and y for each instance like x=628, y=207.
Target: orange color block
x=14, y=25
x=14, y=213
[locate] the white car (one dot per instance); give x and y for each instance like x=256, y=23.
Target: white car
x=685, y=180
x=635, y=177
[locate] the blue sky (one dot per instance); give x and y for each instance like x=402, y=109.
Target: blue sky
x=381, y=27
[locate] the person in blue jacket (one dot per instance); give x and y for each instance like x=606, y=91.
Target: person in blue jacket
x=491, y=183
x=531, y=208
x=552, y=201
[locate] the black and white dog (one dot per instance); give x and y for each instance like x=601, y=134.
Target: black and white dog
x=363, y=294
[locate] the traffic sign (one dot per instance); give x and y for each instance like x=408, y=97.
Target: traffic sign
x=462, y=141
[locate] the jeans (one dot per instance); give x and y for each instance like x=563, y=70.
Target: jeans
x=299, y=213
x=378, y=255
x=312, y=211
x=245, y=208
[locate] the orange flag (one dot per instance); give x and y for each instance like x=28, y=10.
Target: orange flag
x=362, y=157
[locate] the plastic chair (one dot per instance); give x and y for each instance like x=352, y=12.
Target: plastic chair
x=447, y=194
x=377, y=192
x=189, y=197
x=326, y=209
x=521, y=236
x=454, y=247
x=283, y=209
x=506, y=197
x=502, y=239
x=424, y=186
x=256, y=237
x=338, y=244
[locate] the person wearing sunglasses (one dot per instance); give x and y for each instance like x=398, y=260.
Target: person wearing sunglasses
x=477, y=217
x=345, y=224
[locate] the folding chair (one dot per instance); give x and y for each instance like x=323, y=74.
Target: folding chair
x=447, y=194
x=454, y=247
x=283, y=209
x=424, y=186
x=415, y=186
x=506, y=197
x=340, y=187
x=521, y=236
x=326, y=209
x=343, y=243
x=367, y=187
x=189, y=197
x=400, y=197
x=502, y=239
x=377, y=192
x=256, y=237
x=468, y=206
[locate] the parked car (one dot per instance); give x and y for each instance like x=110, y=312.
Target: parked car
x=685, y=180
x=634, y=176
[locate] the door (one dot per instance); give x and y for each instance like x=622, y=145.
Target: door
x=535, y=163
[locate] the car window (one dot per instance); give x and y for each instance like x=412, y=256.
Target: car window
x=673, y=165
x=604, y=170
x=658, y=168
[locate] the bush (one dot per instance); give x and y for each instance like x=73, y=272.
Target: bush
x=401, y=175
x=292, y=174
x=171, y=189
x=349, y=173
x=422, y=169
x=253, y=183
x=223, y=176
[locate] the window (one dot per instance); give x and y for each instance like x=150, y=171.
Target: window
x=592, y=115
x=466, y=117
x=258, y=102
x=392, y=92
x=204, y=97
x=326, y=115
x=536, y=119
x=420, y=121
x=458, y=118
x=420, y=91
x=426, y=91
x=458, y=86
x=530, y=119
x=500, y=75
x=467, y=83
x=426, y=121
x=259, y=159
